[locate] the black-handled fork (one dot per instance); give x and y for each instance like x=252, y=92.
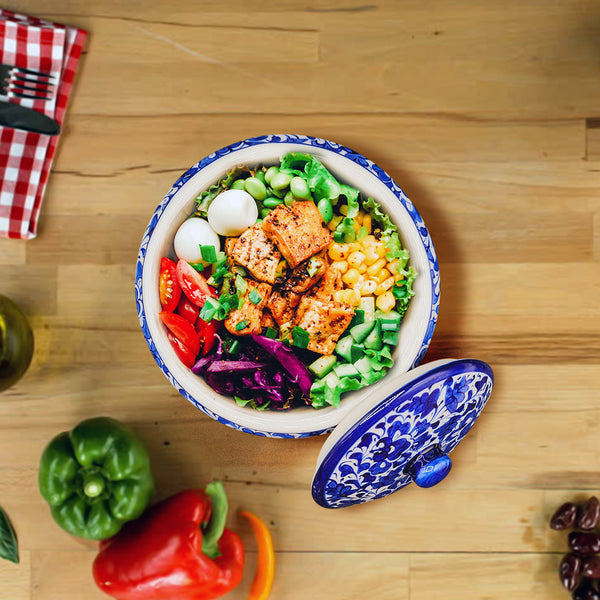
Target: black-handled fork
x=20, y=82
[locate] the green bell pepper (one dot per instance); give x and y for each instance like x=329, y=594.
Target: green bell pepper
x=96, y=478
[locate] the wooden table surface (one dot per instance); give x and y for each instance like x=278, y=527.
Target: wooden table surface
x=485, y=113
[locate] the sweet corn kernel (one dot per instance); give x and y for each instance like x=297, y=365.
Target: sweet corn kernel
x=366, y=223
x=383, y=275
x=359, y=217
x=380, y=249
x=339, y=265
x=398, y=276
x=362, y=268
x=355, y=247
x=384, y=286
x=344, y=210
x=375, y=266
x=368, y=287
x=371, y=255
x=385, y=302
x=339, y=251
x=355, y=298
x=393, y=266
x=335, y=221
x=356, y=225
x=368, y=240
x=356, y=259
x=351, y=276
x=339, y=295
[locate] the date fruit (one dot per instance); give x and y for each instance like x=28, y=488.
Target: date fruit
x=589, y=514
x=564, y=517
x=586, y=591
x=16, y=343
x=583, y=542
x=590, y=567
x=570, y=571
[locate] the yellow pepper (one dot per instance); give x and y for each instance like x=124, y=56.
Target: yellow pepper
x=265, y=567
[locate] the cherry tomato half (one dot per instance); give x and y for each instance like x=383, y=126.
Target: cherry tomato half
x=184, y=355
x=183, y=330
x=168, y=286
x=206, y=333
x=187, y=309
x=193, y=284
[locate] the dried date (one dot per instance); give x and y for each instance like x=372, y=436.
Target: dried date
x=564, y=517
x=589, y=514
x=590, y=567
x=570, y=571
x=586, y=591
x=583, y=542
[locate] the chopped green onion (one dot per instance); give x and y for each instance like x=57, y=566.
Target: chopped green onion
x=209, y=254
x=338, y=236
x=271, y=333
x=241, y=325
x=300, y=337
x=362, y=234
x=234, y=347
x=209, y=309
x=241, y=285
x=240, y=401
x=254, y=297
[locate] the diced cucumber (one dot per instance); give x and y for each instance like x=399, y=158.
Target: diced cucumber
x=358, y=318
x=345, y=370
x=374, y=340
x=390, y=337
x=331, y=379
x=363, y=365
x=391, y=315
x=360, y=332
x=344, y=347
x=357, y=352
x=323, y=365
x=367, y=304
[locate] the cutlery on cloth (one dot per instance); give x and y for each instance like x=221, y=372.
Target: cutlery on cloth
x=39, y=58
x=27, y=119
x=25, y=83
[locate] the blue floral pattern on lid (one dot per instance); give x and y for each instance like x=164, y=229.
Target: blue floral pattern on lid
x=374, y=456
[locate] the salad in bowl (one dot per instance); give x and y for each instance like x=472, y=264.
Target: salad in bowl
x=283, y=288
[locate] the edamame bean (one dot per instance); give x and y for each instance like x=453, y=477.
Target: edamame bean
x=256, y=188
x=264, y=212
x=325, y=209
x=278, y=193
x=272, y=202
x=299, y=188
x=289, y=198
x=271, y=171
x=279, y=181
x=238, y=184
x=260, y=175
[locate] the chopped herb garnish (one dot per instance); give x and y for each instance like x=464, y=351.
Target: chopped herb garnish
x=271, y=333
x=241, y=285
x=241, y=325
x=209, y=254
x=254, y=297
x=313, y=266
x=300, y=337
x=361, y=234
x=240, y=401
x=209, y=309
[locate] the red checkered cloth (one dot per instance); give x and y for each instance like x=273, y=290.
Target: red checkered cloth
x=25, y=157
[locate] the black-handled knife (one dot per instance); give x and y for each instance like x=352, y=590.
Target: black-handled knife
x=20, y=117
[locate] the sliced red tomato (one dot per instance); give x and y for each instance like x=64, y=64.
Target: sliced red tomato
x=193, y=284
x=182, y=329
x=187, y=309
x=168, y=286
x=184, y=355
x=206, y=333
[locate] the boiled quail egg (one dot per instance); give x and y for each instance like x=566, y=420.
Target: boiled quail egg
x=232, y=212
x=192, y=234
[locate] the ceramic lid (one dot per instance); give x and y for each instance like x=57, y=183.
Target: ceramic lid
x=383, y=445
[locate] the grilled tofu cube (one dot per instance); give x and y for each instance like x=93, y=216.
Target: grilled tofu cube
x=283, y=306
x=307, y=274
x=249, y=316
x=257, y=253
x=298, y=231
x=324, y=320
x=330, y=282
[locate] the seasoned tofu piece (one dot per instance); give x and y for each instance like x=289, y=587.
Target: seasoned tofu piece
x=283, y=306
x=298, y=231
x=330, y=282
x=257, y=253
x=324, y=320
x=307, y=274
x=249, y=314
x=267, y=319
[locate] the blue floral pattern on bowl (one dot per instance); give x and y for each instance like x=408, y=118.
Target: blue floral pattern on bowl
x=282, y=139
x=371, y=459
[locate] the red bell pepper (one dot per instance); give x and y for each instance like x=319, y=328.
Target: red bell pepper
x=177, y=550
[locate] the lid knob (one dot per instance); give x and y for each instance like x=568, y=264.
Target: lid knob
x=429, y=468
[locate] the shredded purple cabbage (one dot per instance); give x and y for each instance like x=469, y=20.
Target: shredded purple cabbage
x=259, y=372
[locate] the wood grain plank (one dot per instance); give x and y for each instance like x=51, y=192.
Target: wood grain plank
x=12, y=252
x=33, y=288
x=15, y=579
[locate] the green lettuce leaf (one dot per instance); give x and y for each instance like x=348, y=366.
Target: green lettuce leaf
x=207, y=196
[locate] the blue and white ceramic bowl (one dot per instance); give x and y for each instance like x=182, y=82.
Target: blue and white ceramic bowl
x=347, y=166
